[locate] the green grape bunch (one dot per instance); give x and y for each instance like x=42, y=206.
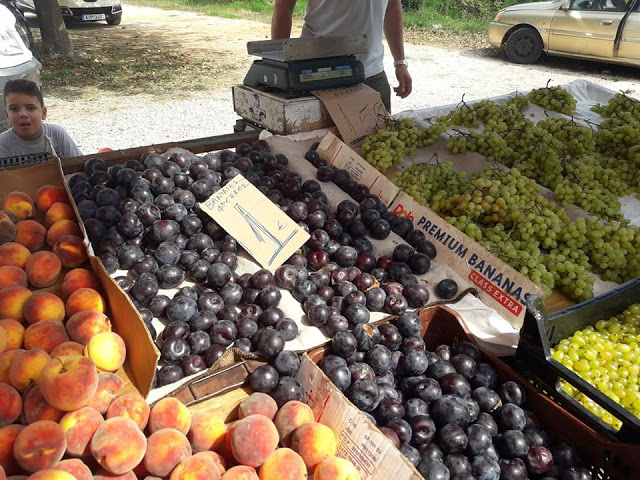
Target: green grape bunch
x=554, y=98
x=621, y=103
x=397, y=139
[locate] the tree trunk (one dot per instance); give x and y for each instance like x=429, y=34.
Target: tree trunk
x=55, y=38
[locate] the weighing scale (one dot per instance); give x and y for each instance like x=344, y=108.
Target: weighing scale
x=299, y=65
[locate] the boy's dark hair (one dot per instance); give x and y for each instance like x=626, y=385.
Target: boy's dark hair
x=26, y=87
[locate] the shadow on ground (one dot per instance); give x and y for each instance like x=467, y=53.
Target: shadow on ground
x=129, y=60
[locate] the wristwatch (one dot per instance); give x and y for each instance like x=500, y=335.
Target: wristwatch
x=397, y=63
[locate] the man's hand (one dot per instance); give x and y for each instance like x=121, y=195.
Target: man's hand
x=404, y=81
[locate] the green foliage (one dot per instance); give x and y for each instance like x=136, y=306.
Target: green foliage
x=478, y=9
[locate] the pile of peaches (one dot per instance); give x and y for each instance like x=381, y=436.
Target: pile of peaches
x=120, y=436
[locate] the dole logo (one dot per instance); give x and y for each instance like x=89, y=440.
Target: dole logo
x=399, y=210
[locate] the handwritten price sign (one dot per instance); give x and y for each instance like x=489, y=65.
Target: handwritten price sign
x=265, y=231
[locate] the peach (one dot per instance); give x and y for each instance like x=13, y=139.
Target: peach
x=102, y=474
x=110, y=386
x=107, y=350
x=43, y=269
x=3, y=475
x=84, y=299
x=71, y=250
x=131, y=406
x=79, y=427
x=292, y=415
x=36, y=408
x=45, y=335
x=8, y=437
x=75, y=467
x=169, y=413
x=10, y=404
x=6, y=359
x=31, y=234
x=216, y=458
x=76, y=279
x=195, y=468
x=39, y=446
x=283, y=464
x=59, y=211
x=20, y=204
x=166, y=448
x=8, y=229
x=240, y=472
x=334, y=468
x=118, y=445
x=15, y=333
x=26, y=368
x=12, y=216
x=60, y=229
x=12, y=300
x=47, y=195
x=43, y=306
x=14, y=254
x=67, y=348
x=52, y=474
x=207, y=432
x=4, y=339
x=11, y=276
x=253, y=440
x=69, y=382
x=313, y=442
x=84, y=325
x=258, y=403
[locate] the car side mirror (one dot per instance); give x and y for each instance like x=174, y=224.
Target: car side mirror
x=565, y=5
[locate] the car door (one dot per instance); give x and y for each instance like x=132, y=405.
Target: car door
x=587, y=27
x=630, y=38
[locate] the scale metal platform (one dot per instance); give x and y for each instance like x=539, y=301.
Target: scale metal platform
x=299, y=65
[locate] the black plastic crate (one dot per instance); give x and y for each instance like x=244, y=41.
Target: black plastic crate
x=540, y=332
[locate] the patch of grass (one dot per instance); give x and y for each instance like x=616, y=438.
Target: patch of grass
x=435, y=19
x=250, y=9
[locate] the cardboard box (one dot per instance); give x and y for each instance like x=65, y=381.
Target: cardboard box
x=142, y=355
x=498, y=284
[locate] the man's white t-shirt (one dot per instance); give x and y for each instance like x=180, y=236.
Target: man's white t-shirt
x=11, y=145
x=330, y=18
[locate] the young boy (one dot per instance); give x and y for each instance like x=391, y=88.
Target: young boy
x=25, y=110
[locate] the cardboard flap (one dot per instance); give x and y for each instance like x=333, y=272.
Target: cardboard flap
x=359, y=441
x=338, y=154
x=357, y=111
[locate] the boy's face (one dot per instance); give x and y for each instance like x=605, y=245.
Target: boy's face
x=25, y=113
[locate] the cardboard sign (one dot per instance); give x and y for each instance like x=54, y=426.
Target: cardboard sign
x=499, y=285
x=265, y=231
x=357, y=111
x=338, y=154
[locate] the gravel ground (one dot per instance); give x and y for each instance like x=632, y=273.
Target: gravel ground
x=441, y=76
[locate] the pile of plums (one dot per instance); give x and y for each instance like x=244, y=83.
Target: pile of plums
x=444, y=409
x=144, y=216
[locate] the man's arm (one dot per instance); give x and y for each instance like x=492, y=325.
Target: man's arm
x=281, y=20
x=393, y=32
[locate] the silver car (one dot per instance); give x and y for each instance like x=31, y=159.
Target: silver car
x=16, y=60
x=602, y=30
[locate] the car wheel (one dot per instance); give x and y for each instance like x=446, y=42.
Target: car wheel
x=524, y=45
x=115, y=19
